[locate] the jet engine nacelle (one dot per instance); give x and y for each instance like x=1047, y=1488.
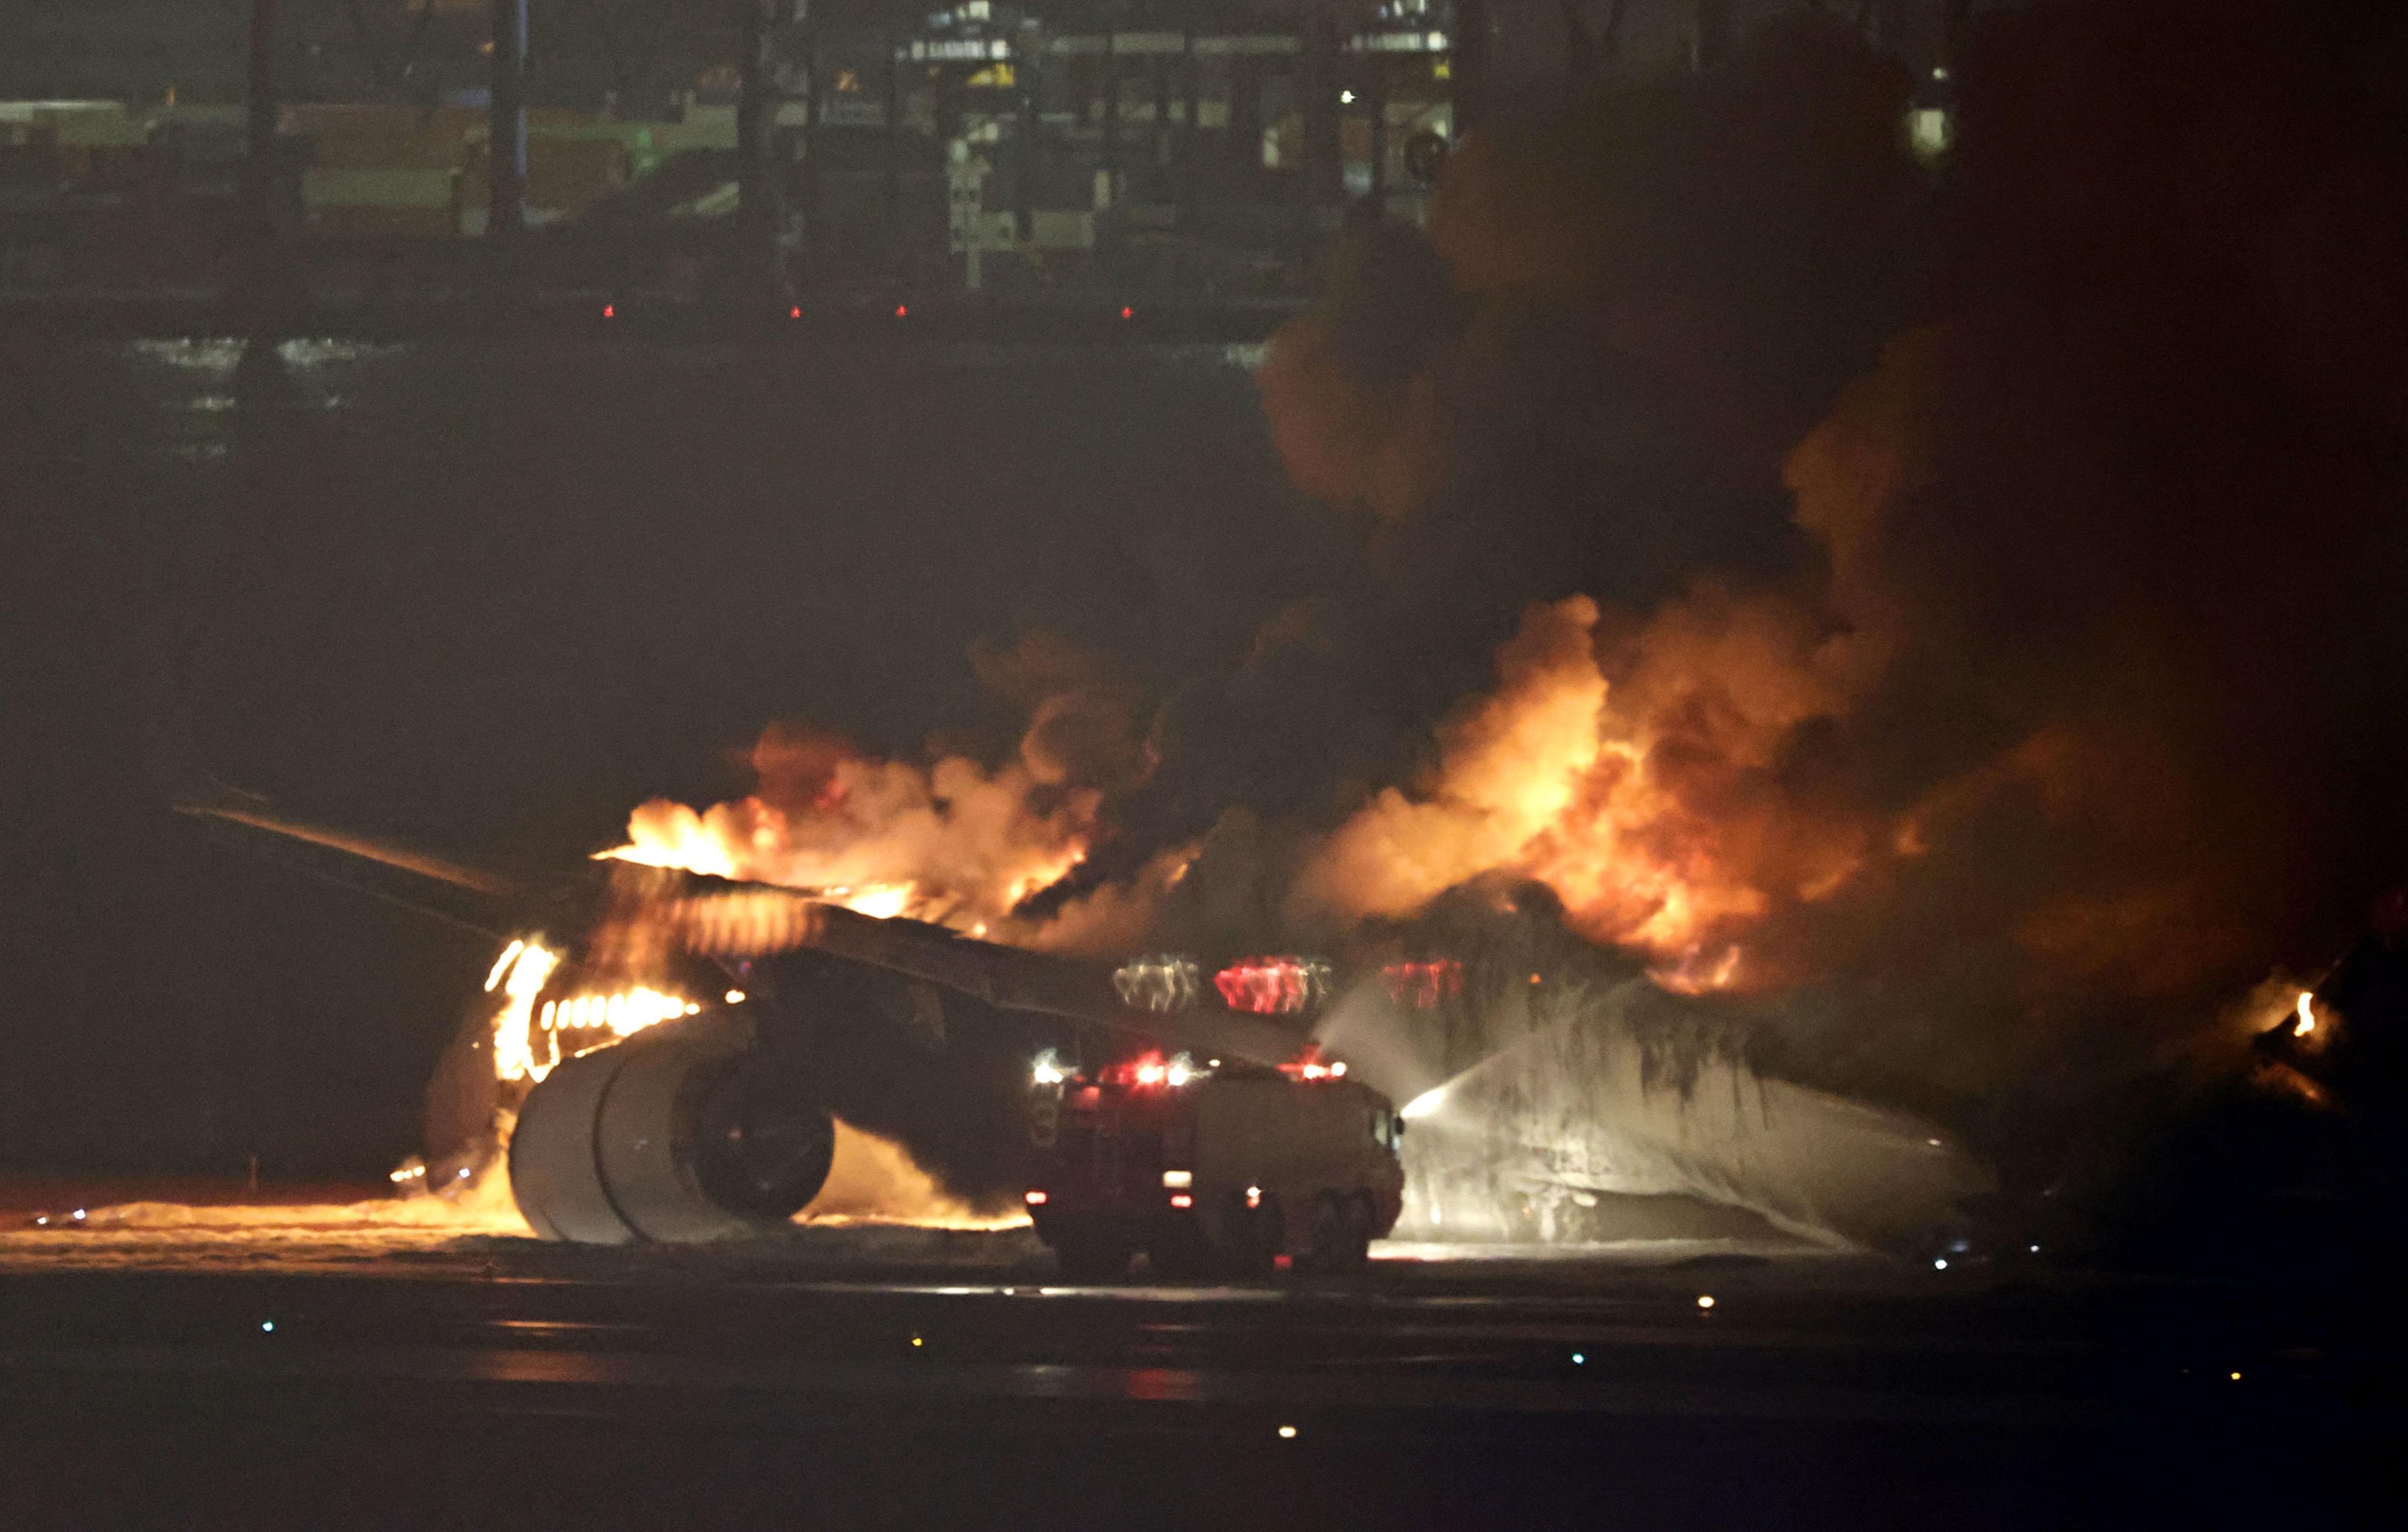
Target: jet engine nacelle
x=683, y=1133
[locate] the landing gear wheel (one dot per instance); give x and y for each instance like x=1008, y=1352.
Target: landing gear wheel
x=1093, y=1257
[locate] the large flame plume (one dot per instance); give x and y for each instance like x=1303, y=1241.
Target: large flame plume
x=953, y=842
x=2075, y=717
x=1647, y=805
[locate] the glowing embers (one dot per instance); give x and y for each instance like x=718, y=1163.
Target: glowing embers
x=1423, y=987
x=1273, y=986
x=1163, y=982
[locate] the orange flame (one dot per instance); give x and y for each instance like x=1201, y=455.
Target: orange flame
x=954, y=843
x=1644, y=804
x=521, y=973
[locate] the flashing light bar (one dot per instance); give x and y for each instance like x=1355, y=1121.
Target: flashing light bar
x=1152, y=1071
x=1308, y=1065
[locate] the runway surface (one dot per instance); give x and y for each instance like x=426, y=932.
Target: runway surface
x=322, y=1366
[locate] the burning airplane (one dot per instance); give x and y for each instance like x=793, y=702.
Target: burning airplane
x=663, y=1054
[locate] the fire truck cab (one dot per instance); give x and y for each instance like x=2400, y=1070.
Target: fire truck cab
x=1212, y=1167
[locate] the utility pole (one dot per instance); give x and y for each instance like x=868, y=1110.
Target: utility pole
x=260, y=171
x=760, y=192
x=1468, y=64
x=1321, y=173
x=506, y=134
x=814, y=250
x=891, y=188
x=1954, y=17
x=1110, y=126
x=1031, y=132
x=1189, y=141
x=1376, y=92
x=1709, y=28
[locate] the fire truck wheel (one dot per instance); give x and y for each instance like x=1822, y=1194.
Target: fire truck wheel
x=1337, y=1236
x=1253, y=1237
x=1365, y=1214
x=1180, y=1257
x=1089, y=1255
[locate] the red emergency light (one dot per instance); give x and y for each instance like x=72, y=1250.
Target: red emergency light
x=1151, y=1071
x=1308, y=1065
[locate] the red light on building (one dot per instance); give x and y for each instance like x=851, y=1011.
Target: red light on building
x=796, y=312
x=1127, y=312
x=609, y=310
x=1181, y=1200
x=901, y=310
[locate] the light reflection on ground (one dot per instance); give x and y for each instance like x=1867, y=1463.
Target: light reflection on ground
x=202, y=1228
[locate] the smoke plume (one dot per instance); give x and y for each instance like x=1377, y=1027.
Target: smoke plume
x=2074, y=708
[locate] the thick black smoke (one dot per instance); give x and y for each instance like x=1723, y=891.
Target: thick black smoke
x=2106, y=532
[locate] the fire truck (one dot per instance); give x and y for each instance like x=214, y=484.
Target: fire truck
x=1211, y=1166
